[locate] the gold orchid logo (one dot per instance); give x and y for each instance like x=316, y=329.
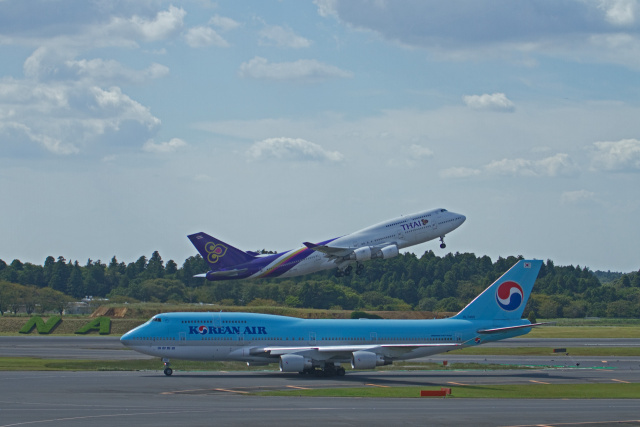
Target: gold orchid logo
x=214, y=251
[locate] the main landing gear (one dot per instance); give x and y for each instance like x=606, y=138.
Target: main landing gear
x=167, y=370
x=329, y=370
x=442, y=245
x=349, y=269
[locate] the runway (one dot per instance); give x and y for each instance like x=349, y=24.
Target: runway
x=105, y=399
x=206, y=398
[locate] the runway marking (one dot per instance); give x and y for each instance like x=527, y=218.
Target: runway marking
x=205, y=390
x=451, y=382
x=620, y=381
x=538, y=382
x=582, y=423
x=231, y=391
x=299, y=388
x=378, y=385
x=87, y=417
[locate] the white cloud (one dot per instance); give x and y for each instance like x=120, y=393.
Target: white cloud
x=620, y=12
x=304, y=70
x=577, y=197
x=282, y=37
x=419, y=151
x=617, y=156
x=291, y=149
x=63, y=117
x=112, y=71
x=493, y=102
x=223, y=23
x=164, y=147
x=559, y=164
x=204, y=36
x=163, y=25
x=488, y=29
x=459, y=172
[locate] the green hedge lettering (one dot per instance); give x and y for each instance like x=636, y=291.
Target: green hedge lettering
x=100, y=324
x=41, y=326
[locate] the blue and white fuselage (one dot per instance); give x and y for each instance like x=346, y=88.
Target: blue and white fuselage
x=303, y=345
x=383, y=240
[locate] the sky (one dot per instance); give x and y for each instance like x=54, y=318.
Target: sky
x=127, y=125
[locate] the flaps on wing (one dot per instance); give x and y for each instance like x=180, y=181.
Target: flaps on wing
x=332, y=251
x=509, y=328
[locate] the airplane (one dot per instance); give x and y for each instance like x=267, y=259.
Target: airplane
x=321, y=346
x=383, y=240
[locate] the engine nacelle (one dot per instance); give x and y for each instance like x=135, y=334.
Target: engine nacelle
x=294, y=363
x=361, y=254
x=387, y=252
x=366, y=360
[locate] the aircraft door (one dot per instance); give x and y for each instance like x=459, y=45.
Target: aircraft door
x=374, y=337
x=312, y=338
x=183, y=336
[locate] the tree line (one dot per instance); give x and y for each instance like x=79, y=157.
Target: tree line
x=406, y=282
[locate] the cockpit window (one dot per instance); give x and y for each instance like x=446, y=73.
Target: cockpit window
x=443, y=210
x=157, y=319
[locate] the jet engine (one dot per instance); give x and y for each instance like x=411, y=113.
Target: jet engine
x=387, y=252
x=367, y=360
x=361, y=254
x=294, y=363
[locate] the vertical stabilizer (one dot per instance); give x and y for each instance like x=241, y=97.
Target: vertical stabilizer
x=506, y=298
x=217, y=253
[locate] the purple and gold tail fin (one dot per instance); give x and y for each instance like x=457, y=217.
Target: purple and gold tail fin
x=217, y=253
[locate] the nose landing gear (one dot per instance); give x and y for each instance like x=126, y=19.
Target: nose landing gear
x=167, y=370
x=442, y=245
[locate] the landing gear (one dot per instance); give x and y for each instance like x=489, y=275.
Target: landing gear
x=360, y=269
x=167, y=370
x=442, y=245
x=344, y=272
x=329, y=370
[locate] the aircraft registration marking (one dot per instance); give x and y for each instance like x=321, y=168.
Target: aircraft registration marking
x=538, y=382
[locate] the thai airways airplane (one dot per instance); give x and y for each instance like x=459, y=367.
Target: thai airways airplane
x=382, y=240
x=320, y=346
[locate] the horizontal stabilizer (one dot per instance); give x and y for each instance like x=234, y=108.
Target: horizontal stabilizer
x=226, y=273
x=509, y=328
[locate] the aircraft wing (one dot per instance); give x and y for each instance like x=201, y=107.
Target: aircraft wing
x=346, y=350
x=332, y=251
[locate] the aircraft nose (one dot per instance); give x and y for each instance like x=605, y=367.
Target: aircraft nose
x=463, y=218
x=126, y=339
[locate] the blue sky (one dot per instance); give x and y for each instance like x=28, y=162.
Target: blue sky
x=126, y=125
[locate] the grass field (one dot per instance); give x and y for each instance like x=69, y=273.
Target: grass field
x=520, y=391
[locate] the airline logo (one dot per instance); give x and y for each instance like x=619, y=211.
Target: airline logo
x=227, y=330
x=415, y=224
x=215, y=251
x=509, y=296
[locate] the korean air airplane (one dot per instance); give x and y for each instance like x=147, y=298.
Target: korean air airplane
x=321, y=346
x=382, y=240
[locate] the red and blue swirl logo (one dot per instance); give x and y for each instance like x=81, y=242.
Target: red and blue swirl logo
x=509, y=296
x=203, y=329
